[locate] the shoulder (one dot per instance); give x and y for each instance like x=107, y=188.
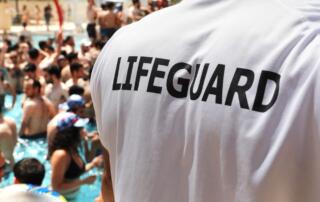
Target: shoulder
x=61, y=155
x=29, y=103
x=10, y=122
x=308, y=11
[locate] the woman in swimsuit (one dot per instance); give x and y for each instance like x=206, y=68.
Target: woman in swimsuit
x=66, y=164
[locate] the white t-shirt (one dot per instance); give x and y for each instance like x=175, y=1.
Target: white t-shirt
x=56, y=94
x=247, y=131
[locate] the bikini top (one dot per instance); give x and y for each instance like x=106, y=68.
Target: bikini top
x=74, y=171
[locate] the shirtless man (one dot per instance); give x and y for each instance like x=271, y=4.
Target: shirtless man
x=108, y=20
x=135, y=13
x=25, y=17
x=15, y=72
x=37, y=112
x=8, y=140
x=92, y=17
x=77, y=75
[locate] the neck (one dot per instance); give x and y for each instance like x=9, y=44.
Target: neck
x=75, y=79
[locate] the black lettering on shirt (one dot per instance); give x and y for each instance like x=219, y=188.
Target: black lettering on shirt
x=182, y=81
x=264, y=78
x=195, y=95
x=116, y=85
x=218, y=75
x=127, y=85
x=155, y=73
x=141, y=71
x=240, y=90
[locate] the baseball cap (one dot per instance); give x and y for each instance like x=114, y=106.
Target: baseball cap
x=72, y=102
x=70, y=119
x=86, y=42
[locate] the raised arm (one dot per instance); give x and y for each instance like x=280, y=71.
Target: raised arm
x=3, y=51
x=26, y=117
x=59, y=41
x=12, y=91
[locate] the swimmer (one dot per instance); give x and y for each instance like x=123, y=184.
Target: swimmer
x=108, y=20
x=66, y=162
x=77, y=74
x=55, y=91
x=8, y=140
x=37, y=112
x=29, y=171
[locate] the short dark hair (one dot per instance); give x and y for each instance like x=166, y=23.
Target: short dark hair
x=72, y=56
x=51, y=48
x=43, y=45
x=135, y=1
x=75, y=67
x=99, y=44
x=30, y=67
x=75, y=89
x=67, y=139
x=29, y=171
x=33, y=53
x=68, y=38
x=22, y=38
x=108, y=5
x=54, y=70
x=36, y=84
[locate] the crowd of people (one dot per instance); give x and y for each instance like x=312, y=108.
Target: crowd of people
x=111, y=16
x=56, y=105
x=54, y=79
x=37, y=14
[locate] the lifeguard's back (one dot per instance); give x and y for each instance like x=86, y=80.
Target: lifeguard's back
x=214, y=101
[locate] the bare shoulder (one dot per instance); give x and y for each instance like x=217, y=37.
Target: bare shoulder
x=29, y=104
x=11, y=122
x=60, y=155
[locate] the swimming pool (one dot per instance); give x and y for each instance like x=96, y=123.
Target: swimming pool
x=36, y=38
x=38, y=149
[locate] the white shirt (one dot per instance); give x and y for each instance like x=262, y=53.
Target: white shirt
x=56, y=94
x=250, y=134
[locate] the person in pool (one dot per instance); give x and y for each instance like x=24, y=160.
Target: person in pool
x=66, y=163
x=28, y=176
x=29, y=171
x=37, y=112
x=8, y=140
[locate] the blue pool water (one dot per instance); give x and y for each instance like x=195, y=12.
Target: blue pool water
x=35, y=38
x=38, y=149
